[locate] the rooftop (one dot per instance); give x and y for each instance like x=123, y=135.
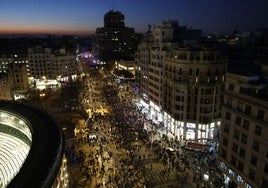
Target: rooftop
x=43, y=162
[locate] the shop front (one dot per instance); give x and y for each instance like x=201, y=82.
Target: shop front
x=232, y=179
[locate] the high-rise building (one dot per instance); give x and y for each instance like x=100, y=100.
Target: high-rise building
x=115, y=41
x=181, y=87
x=243, y=153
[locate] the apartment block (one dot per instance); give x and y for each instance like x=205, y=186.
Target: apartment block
x=5, y=93
x=18, y=79
x=14, y=77
x=243, y=153
x=4, y=61
x=51, y=64
x=181, y=87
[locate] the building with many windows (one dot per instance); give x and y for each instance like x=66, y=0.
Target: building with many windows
x=243, y=153
x=42, y=68
x=51, y=64
x=4, y=61
x=181, y=88
x=17, y=79
x=14, y=59
x=115, y=41
x=5, y=93
x=14, y=76
x=126, y=65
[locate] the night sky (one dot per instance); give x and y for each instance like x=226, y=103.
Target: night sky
x=84, y=16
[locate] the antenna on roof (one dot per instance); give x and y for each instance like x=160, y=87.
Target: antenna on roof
x=111, y=5
x=116, y=7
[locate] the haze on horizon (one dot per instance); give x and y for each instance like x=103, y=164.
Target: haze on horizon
x=82, y=17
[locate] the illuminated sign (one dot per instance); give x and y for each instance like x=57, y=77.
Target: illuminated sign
x=191, y=125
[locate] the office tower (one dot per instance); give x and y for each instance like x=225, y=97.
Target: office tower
x=115, y=41
x=243, y=153
x=181, y=88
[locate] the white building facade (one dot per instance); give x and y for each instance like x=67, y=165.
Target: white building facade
x=46, y=63
x=181, y=88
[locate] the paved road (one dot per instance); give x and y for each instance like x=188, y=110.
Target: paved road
x=111, y=171
x=155, y=172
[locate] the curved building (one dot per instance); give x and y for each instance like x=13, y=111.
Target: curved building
x=181, y=88
x=31, y=148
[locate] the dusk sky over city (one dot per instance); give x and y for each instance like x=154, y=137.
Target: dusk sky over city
x=84, y=16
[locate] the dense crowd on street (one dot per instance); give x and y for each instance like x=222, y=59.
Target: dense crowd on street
x=113, y=149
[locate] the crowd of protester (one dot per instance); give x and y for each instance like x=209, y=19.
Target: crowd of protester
x=123, y=128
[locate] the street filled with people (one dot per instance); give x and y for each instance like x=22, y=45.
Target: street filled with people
x=118, y=146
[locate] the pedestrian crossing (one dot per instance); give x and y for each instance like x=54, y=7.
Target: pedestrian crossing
x=157, y=175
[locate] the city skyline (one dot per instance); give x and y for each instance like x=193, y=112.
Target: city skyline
x=83, y=17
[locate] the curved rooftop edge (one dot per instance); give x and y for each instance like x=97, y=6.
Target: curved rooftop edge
x=44, y=160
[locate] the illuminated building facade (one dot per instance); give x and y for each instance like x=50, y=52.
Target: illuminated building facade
x=18, y=79
x=14, y=80
x=181, y=88
x=114, y=41
x=192, y=91
x=4, y=63
x=31, y=150
x=243, y=152
x=51, y=64
x=5, y=93
x=126, y=65
x=15, y=59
